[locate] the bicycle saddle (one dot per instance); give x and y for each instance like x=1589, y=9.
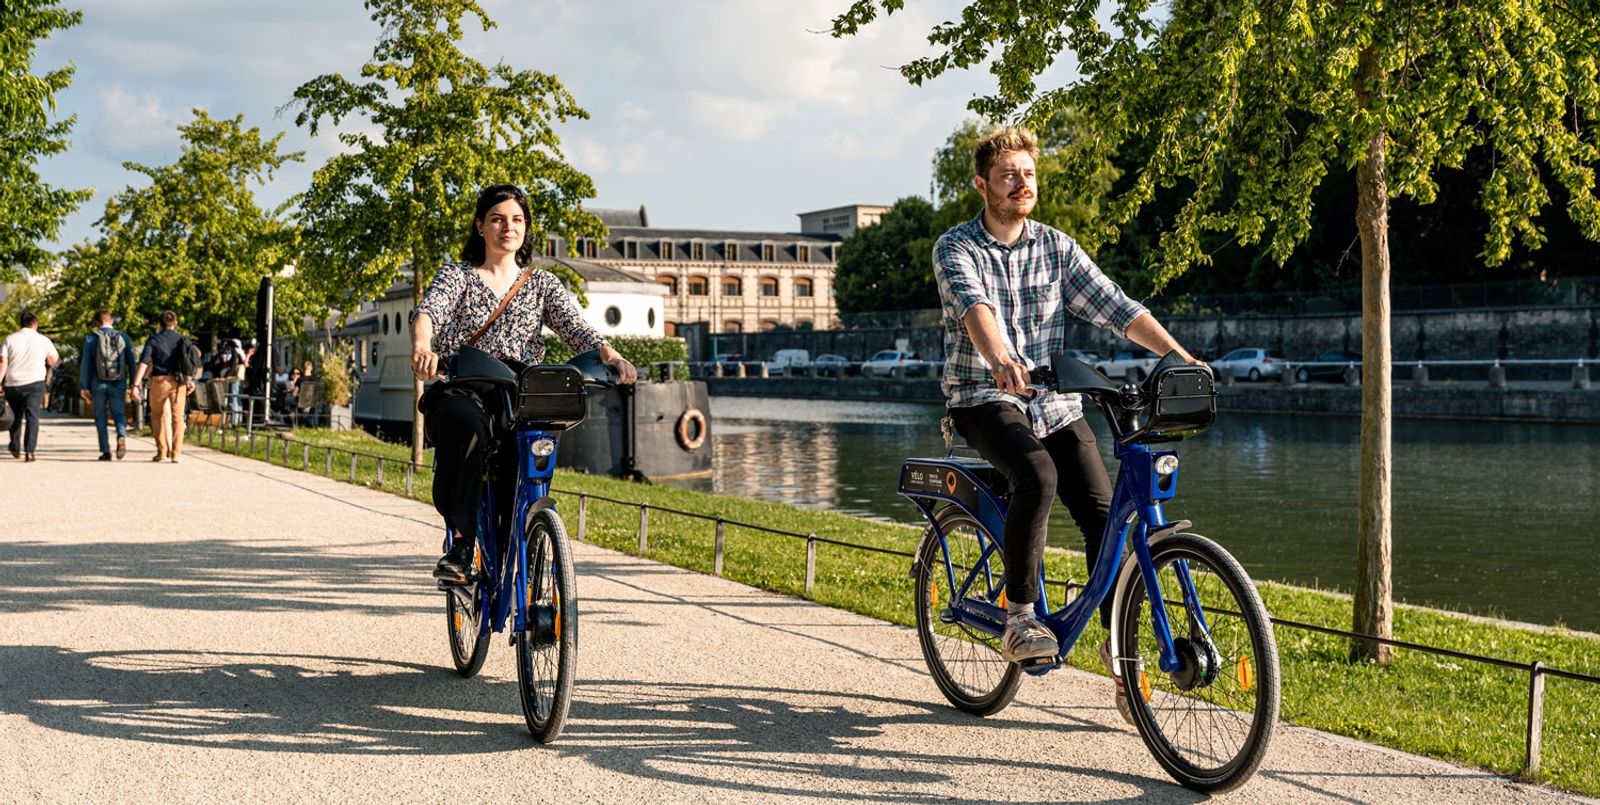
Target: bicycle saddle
x=471, y=363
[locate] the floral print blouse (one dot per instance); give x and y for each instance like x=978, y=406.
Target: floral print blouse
x=459, y=302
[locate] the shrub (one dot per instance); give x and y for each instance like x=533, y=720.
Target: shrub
x=639, y=350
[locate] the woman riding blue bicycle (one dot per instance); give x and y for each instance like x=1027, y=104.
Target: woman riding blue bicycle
x=492, y=299
x=1007, y=285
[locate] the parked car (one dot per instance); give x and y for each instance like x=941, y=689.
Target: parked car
x=1091, y=358
x=1139, y=360
x=886, y=361
x=1332, y=368
x=1251, y=363
x=785, y=360
x=833, y=365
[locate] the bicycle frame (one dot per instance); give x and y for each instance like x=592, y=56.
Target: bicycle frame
x=1136, y=513
x=504, y=591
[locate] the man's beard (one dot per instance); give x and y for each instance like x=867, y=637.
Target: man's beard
x=1007, y=210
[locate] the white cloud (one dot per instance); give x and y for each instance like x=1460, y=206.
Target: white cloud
x=732, y=117
x=132, y=126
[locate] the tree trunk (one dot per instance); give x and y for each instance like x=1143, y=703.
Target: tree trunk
x=416, y=385
x=1374, y=593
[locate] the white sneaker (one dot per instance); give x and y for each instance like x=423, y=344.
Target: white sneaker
x=1123, y=705
x=1026, y=638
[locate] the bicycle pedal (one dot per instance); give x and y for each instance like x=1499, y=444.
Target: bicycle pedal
x=1039, y=665
x=446, y=585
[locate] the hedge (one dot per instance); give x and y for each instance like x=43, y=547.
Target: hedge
x=639, y=350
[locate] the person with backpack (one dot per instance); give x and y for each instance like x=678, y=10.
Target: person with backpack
x=104, y=367
x=172, y=362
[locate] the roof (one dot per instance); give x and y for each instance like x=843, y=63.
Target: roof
x=619, y=232
x=880, y=207
x=615, y=217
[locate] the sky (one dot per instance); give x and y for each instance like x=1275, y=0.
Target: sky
x=734, y=114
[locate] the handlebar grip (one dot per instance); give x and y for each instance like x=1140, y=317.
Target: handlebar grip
x=1042, y=376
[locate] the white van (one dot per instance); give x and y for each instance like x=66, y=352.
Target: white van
x=787, y=361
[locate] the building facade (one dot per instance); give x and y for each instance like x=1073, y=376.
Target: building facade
x=842, y=222
x=735, y=281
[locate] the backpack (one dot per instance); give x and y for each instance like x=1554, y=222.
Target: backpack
x=187, y=359
x=108, y=350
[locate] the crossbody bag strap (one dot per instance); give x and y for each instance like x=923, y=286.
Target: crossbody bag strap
x=504, y=301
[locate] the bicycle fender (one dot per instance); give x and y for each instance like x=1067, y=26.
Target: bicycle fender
x=1125, y=577
x=541, y=504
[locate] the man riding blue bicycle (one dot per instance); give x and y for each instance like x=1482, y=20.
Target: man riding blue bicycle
x=1007, y=285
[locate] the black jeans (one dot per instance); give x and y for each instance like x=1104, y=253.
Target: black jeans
x=463, y=435
x=1064, y=464
x=25, y=401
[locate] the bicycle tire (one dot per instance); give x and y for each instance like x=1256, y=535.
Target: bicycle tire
x=965, y=663
x=468, y=646
x=547, y=662
x=1245, y=677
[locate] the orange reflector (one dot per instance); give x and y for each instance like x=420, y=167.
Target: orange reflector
x=1246, y=679
x=933, y=595
x=1144, y=685
x=1002, y=602
x=457, y=615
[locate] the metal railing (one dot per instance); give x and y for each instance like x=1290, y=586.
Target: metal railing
x=1537, y=670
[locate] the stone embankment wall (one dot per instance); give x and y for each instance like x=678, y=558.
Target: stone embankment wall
x=1478, y=334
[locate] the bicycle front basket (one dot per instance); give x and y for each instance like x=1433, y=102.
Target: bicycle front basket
x=1185, y=402
x=550, y=394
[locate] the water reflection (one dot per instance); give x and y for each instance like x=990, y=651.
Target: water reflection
x=1488, y=517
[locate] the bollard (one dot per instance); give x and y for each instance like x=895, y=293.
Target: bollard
x=1225, y=376
x=644, y=528
x=410, y=469
x=898, y=373
x=352, y=466
x=329, y=458
x=1535, y=718
x=583, y=516
x=1497, y=376
x=1580, y=377
x=1419, y=377
x=716, y=369
x=1287, y=378
x=811, y=563
x=716, y=553
x=763, y=372
x=305, y=456
x=379, y=481
x=1352, y=376
x=739, y=370
x=252, y=444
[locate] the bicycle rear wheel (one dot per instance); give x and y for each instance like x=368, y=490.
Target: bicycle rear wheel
x=547, y=653
x=463, y=626
x=965, y=663
x=1208, y=723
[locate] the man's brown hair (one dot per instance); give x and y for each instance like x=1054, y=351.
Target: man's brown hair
x=102, y=317
x=1003, y=140
x=169, y=319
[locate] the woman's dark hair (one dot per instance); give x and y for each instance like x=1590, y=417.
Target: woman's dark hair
x=473, y=252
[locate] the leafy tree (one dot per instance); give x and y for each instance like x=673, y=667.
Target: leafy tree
x=1246, y=106
x=446, y=127
x=193, y=241
x=885, y=266
x=31, y=211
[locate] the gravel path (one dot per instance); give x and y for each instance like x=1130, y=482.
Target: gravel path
x=225, y=630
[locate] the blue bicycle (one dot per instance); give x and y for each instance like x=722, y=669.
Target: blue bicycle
x=523, y=561
x=1191, y=642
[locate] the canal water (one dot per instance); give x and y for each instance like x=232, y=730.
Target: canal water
x=1499, y=519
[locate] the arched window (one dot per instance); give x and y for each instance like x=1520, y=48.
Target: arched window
x=803, y=287
x=732, y=286
x=669, y=329
x=769, y=286
x=804, y=324
x=769, y=324
x=731, y=326
x=699, y=286
x=671, y=282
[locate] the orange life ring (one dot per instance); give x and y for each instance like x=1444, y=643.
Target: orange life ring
x=692, y=417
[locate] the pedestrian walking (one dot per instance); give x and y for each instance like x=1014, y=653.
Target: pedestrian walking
x=104, y=367
x=171, y=362
x=24, y=364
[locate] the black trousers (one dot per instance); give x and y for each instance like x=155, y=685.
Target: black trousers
x=463, y=434
x=25, y=401
x=1065, y=464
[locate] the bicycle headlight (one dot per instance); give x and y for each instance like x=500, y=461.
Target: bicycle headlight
x=542, y=448
x=1166, y=465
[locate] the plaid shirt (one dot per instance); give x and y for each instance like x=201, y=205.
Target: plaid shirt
x=1031, y=286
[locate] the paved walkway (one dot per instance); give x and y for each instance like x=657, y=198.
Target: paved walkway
x=226, y=630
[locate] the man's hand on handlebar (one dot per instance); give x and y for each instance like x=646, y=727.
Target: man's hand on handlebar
x=1012, y=378
x=424, y=363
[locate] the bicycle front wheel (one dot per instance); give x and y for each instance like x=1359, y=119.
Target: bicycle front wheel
x=547, y=653
x=965, y=663
x=1209, y=722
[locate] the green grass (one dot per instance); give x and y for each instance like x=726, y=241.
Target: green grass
x=1452, y=709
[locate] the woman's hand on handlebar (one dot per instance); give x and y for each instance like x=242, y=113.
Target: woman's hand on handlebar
x=626, y=374
x=424, y=363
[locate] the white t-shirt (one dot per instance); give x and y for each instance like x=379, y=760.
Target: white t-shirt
x=25, y=351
